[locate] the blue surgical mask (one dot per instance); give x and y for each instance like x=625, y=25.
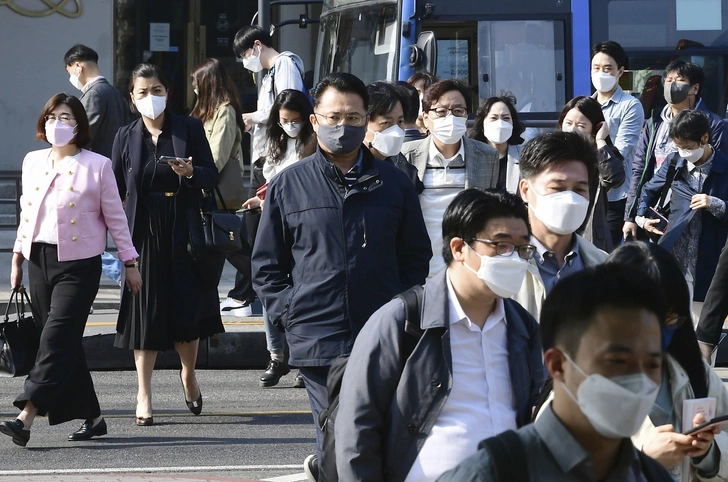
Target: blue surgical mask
x=667, y=333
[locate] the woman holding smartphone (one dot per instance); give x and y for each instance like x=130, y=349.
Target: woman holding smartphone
x=162, y=162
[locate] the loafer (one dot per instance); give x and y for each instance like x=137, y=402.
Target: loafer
x=273, y=373
x=298, y=381
x=16, y=430
x=88, y=430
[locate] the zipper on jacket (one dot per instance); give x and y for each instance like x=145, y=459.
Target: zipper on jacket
x=364, y=225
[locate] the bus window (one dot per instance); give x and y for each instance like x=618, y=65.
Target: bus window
x=526, y=58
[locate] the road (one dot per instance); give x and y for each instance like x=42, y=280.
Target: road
x=244, y=431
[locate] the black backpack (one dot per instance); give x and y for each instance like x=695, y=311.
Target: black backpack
x=510, y=459
x=412, y=299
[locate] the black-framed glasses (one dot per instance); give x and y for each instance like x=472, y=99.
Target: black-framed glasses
x=456, y=111
x=504, y=248
x=65, y=118
x=354, y=120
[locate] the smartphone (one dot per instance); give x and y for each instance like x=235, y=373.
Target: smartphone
x=253, y=210
x=708, y=425
x=167, y=159
x=653, y=214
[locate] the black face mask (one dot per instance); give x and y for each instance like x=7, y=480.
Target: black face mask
x=341, y=139
x=676, y=92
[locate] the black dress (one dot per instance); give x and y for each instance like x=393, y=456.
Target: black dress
x=172, y=305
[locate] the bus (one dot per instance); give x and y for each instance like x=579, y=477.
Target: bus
x=536, y=50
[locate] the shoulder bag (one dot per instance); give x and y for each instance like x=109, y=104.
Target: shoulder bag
x=19, y=339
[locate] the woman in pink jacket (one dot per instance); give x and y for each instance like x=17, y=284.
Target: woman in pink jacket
x=70, y=200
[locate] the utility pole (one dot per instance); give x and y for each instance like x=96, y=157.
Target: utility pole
x=264, y=14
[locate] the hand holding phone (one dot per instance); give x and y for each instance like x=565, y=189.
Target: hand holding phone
x=168, y=160
x=662, y=224
x=249, y=210
x=709, y=425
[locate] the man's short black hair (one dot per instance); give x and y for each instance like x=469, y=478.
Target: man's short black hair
x=409, y=93
x=343, y=82
x=551, y=148
x=470, y=211
x=80, y=53
x=246, y=37
x=570, y=308
x=383, y=97
x=442, y=87
x=690, y=71
x=613, y=49
x=690, y=125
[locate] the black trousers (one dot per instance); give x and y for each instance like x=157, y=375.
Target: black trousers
x=715, y=308
x=615, y=220
x=61, y=293
x=318, y=398
x=243, y=289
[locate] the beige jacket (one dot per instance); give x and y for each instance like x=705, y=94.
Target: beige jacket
x=533, y=293
x=681, y=390
x=225, y=139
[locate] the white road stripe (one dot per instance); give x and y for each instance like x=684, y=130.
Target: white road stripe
x=150, y=470
x=288, y=478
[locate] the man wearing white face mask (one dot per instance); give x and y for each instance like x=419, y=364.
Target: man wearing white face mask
x=602, y=347
x=556, y=171
x=624, y=116
x=385, y=133
x=475, y=370
x=448, y=161
x=285, y=71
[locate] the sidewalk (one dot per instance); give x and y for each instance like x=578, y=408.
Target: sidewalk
x=241, y=346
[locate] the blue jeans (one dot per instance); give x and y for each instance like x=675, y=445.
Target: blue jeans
x=111, y=267
x=274, y=339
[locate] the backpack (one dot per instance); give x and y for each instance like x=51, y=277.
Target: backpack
x=508, y=455
x=272, y=74
x=412, y=299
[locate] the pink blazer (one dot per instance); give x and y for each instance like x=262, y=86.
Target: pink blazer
x=88, y=206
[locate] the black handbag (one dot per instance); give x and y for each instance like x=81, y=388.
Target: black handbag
x=221, y=229
x=19, y=339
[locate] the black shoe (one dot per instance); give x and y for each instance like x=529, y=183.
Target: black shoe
x=88, y=430
x=298, y=381
x=273, y=373
x=195, y=406
x=311, y=468
x=16, y=429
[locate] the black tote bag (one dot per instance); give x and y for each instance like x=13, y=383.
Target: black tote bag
x=19, y=338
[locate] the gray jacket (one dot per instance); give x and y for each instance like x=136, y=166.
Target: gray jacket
x=481, y=161
x=107, y=111
x=387, y=407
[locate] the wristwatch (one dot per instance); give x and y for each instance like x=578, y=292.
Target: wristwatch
x=135, y=264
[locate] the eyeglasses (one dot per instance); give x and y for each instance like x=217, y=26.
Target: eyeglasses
x=353, y=120
x=456, y=111
x=65, y=118
x=504, y=248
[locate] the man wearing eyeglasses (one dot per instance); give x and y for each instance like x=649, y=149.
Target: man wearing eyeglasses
x=340, y=235
x=476, y=370
x=448, y=161
x=556, y=171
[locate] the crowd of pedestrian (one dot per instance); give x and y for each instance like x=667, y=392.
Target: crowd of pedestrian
x=560, y=329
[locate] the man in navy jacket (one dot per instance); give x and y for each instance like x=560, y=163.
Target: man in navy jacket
x=340, y=235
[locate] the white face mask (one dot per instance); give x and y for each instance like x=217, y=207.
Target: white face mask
x=616, y=407
x=691, y=155
x=498, y=131
x=151, y=106
x=419, y=111
x=449, y=129
x=75, y=81
x=196, y=91
x=561, y=212
x=252, y=63
x=603, y=81
x=502, y=274
x=292, y=129
x=389, y=141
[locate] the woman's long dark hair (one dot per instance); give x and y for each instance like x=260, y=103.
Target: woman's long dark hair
x=664, y=268
x=214, y=88
x=277, y=139
x=476, y=131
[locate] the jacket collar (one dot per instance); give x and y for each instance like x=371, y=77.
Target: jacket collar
x=368, y=177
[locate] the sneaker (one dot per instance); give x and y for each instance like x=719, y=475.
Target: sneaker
x=298, y=381
x=233, y=307
x=273, y=373
x=311, y=468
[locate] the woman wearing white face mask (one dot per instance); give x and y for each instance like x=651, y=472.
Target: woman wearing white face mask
x=584, y=115
x=496, y=124
x=70, y=200
x=695, y=209
x=289, y=138
x=385, y=133
x=162, y=163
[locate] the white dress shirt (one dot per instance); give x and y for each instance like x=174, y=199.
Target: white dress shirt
x=481, y=402
x=48, y=210
x=443, y=180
